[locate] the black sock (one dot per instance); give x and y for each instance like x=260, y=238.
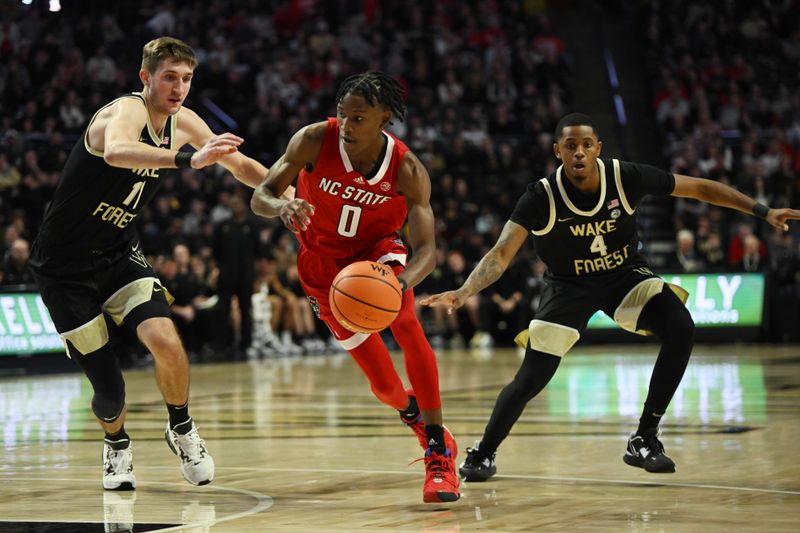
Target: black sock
x=648, y=421
x=435, y=435
x=119, y=440
x=410, y=413
x=179, y=419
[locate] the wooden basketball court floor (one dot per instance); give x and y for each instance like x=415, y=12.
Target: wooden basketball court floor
x=301, y=445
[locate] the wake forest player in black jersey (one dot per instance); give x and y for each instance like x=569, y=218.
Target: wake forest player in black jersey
x=584, y=229
x=87, y=260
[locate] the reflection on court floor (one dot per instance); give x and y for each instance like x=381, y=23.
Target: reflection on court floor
x=302, y=445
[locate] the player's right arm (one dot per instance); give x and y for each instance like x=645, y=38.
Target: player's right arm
x=488, y=270
x=269, y=199
x=121, y=125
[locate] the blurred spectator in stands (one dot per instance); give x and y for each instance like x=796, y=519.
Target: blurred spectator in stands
x=711, y=253
x=15, y=266
x=282, y=302
x=71, y=114
x=685, y=258
x=736, y=246
x=301, y=321
x=502, y=311
x=752, y=260
x=432, y=318
x=100, y=68
x=465, y=322
x=236, y=248
x=184, y=287
x=534, y=286
x=9, y=174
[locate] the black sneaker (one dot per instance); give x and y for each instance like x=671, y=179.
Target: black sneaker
x=646, y=451
x=477, y=467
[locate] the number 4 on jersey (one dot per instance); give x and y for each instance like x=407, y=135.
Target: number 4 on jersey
x=599, y=246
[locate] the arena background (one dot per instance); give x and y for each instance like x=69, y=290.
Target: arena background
x=700, y=88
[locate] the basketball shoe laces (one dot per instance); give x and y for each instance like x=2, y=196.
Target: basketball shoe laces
x=191, y=447
x=439, y=467
x=119, y=461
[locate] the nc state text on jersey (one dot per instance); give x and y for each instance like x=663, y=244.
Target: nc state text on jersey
x=358, y=195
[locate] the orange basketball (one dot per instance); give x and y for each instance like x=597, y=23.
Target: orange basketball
x=365, y=297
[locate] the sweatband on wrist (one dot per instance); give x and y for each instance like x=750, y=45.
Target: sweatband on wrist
x=183, y=159
x=760, y=210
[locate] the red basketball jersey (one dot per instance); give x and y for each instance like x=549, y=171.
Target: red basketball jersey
x=352, y=213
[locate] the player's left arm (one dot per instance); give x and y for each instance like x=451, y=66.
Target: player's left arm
x=720, y=194
x=245, y=169
x=415, y=184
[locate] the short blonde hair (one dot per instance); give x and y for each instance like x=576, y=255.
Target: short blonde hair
x=163, y=48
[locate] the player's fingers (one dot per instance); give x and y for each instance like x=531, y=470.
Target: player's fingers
x=229, y=137
x=308, y=208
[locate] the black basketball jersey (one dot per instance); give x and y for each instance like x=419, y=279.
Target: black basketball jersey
x=91, y=219
x=578, y=234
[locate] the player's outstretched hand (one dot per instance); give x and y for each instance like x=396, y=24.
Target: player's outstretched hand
x=217, y=147
x=779, y=217
x=452, y=299
x=296, y=214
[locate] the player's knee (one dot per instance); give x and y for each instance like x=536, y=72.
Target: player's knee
x=536, y=371
x=382, y=391
x=108, y=403
x=680, y=325
x=161, y=338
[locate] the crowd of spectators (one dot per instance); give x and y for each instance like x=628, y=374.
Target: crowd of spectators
x=486, y=83
x=724, y=75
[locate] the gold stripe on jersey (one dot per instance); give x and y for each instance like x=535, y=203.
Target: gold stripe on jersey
x=89, y=149
x=132, y=295
x=551, y=221
x=154, y=137
x=618, y=180
x=87, y=338
x=630, y=308
x=600, y=202
x=548, y=337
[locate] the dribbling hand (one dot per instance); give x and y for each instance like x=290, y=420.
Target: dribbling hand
x=215, y=149
x=296, y=214
x=452, y=299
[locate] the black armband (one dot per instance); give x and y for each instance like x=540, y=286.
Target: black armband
x=183, y=159
x=403, y=284
x=760, y=210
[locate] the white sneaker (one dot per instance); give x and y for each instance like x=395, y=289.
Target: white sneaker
x=118, y=468
x=197, y=466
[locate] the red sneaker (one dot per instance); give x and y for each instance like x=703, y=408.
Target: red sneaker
x=418, y=427
x=441, y=481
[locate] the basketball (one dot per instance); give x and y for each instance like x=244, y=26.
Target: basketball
x=365, y=297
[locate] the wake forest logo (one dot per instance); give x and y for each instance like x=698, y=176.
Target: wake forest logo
x=119, y=216
x=146, y=172
x=601, y=258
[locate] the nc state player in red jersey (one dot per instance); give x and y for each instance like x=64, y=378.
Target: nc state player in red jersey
x=356, y=186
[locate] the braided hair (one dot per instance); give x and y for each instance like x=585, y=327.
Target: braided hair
x=375, y=87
